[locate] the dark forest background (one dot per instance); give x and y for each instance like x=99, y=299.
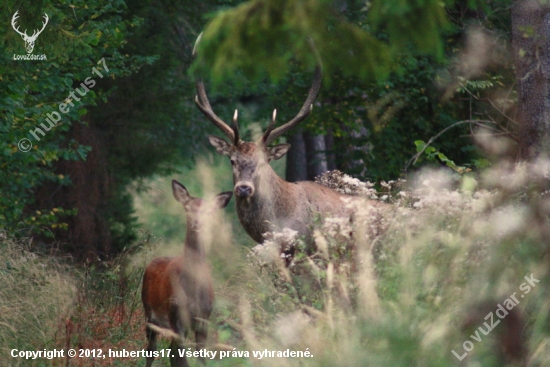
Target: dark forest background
x=396, y=73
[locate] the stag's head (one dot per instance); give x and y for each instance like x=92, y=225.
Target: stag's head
x=248, y=159
x=29, y=40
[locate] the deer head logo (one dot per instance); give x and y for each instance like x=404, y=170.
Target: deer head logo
x=29, y=40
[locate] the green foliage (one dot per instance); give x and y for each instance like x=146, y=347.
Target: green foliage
x=138, y=115
x=479, y=85
x=433, y=154
x=261, y=37
x=379, y=118
x=75, y=46
x=142, y=113
x=392, y=113
x=400, y=20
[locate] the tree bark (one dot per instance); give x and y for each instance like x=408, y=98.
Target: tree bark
x=88, y=236
x=315, y=154
x=329, y=145
x=296, y=162
x=531, y=48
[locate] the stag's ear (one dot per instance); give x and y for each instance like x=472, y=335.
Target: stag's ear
x=180, y=192
x=223, y=199
x=222, y=147
x=278, y=151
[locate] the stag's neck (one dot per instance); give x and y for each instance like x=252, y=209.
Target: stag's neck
x=275, y=191
x=269, y=207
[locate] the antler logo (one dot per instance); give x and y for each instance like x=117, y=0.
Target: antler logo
x=29, y=40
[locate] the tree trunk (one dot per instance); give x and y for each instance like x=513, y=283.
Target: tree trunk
x=296, y=163
x=315, y=154
x=329, y=145
x=531, y=47
x=88, y=236
x=358, y=142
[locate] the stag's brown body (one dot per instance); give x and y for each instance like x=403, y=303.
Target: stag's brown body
x=177, y=292
x=278, y=204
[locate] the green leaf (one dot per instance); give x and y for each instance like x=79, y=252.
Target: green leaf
x=419, y=145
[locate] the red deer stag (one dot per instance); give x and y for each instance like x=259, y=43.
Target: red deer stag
x=264, y=201
x=177, y=291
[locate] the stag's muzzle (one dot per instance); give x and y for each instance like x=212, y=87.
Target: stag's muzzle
x=244, y=189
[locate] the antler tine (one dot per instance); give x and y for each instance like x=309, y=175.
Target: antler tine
x=196, y=44
x=201, y=99
x=272, y=134
x=203, y=104
x=235, y=128
x=269, y=128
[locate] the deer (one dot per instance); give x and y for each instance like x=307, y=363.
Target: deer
x=177, y=292
x=29, y=40
x=266, y=202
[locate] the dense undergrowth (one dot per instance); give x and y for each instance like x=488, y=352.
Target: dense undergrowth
x=421, y=281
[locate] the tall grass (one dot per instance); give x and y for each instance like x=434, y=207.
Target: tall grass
x=36, y=291
x=401, y=286
x=410, y=284
x=447, y=255
x=47, y=302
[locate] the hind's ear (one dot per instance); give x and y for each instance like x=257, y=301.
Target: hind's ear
x=223, y=199
x=180, y=192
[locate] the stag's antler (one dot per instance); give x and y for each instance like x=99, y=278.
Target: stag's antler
x=235, y=128
x=271, y=133
x=201, y=99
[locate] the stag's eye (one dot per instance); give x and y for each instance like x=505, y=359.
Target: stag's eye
x=232, y=162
